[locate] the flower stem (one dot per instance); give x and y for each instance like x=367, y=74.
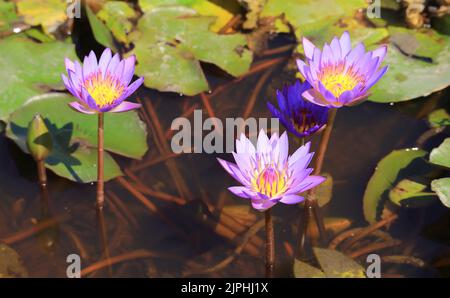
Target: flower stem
x=302, y=231
x=100, y=163
x=311, y=202
x=42, y=174
x=318, y=169
x=270, y=244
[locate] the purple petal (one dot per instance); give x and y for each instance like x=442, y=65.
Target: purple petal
x=80, y=108
x=356, y=54
x=125, y=106
x=291, y=199
x=327, y=56
x=89, y=65
x=241, y=191
x=262, y=205
x=336, y=48
x=104, y=60
x=233, y=170
x=128, y=70
x=308, y=47
x=308, y=183
x=346, y=44
x=375, y=78
x=69, y=65
x=262, y=144
x=115, y=60
x=314, y=96
x=130, y=90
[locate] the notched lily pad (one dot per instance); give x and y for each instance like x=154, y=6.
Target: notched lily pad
x=48, y=13
x=336, y=264
x=202, y=7
x=419, y=64
x=117, y=15
x=410, y=193
x=384, y=177
x=439, y=118
x=172, y=42
x=442, y=189
x=333, y=264
x=74, y=136
x=10, y=264
x=441, y=155
x=28, y=69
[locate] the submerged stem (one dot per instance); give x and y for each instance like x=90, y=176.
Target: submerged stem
x=270, y=244
x=311, y=202
x=100, y=173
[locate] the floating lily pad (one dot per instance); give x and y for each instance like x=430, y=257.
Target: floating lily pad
x=439, y=118
x=50, y=14
x=7, y=15
x=419, y=64
x=441, y=155
x=172, y=42
x=28, y=69
x=10, y=263
x=203, y=7
x=384, y=177
x=409, y=193
x=100, y=31
x=323, y=32
x=75, y=136
x=304, y=270
x=117, y=15
x=442, y=189
x=335, y=264
x=300, y=13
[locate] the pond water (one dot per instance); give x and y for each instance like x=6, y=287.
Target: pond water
x=182, y=237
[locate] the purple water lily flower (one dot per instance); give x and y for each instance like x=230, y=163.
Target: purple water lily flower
x=340, y=75
x=297, y=115
x=103, y=86
x=266, y=172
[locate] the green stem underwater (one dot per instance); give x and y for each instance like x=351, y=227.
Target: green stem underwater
x=100, y=163
x=270, y=244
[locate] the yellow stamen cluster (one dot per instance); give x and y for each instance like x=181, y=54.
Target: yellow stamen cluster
x=270, y=181
x=104, y=90
x=337, y=80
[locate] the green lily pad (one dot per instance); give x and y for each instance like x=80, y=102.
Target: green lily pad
x=202, y=7
x=28, y=69
x=50, y=14
x=384, y=177
x=409, y=193
x=419, y=64
x=335, y=264
x=442, y=189
x=323, y=32
x=172, y=42
x=304, y=270
x=441, y=155
x=7, y=15
x=100, y=31
x=75, y=136
x=10, y=263
x=439, y=118
x=300, y=13
x=117, y=15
